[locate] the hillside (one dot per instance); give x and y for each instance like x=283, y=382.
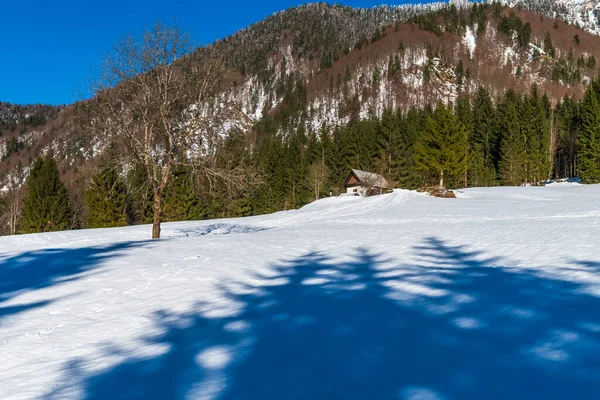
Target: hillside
x=491, y=295
x=581, y=13
x=16, y=121
x=319, y=64
x=479, y=93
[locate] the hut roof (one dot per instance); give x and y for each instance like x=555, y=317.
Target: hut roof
x=368, y=178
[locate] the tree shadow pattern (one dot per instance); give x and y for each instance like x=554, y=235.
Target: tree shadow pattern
x=39, y=269
x=450, y=324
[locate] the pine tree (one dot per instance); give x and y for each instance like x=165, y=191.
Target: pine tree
x=464, y=113
x=46, y=207
x=139, y=198
x=588, y=164
x=340, y=157
x=387, y=139
x=530, y=138
x=566, y=126
x=549, y=46
x=442, y=147
x=182, y=200
x=484, y=138
x=540, y=143
x=297, y=193
x=106, y=200
x=512, y=146
x=406, y=170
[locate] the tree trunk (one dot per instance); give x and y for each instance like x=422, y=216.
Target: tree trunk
x=441, y=179
x=157, y=215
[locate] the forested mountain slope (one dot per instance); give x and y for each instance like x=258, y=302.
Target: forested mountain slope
x=318, y=63
x=362, y=83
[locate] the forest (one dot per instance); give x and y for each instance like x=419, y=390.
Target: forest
x=475, y=135
x=517, y=140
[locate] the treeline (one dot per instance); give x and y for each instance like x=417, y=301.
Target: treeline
x=516, y=140
x=13, y=116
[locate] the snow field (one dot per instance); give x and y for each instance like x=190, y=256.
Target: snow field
x=494, y=294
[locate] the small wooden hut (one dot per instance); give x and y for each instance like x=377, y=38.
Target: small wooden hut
x=365, y=183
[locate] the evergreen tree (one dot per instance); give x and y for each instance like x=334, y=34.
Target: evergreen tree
x=106, y=200
x=530, y=138
x=512, y=146
x=182, y=200
x=566, y=126
x=297, y=193
x=464, y=114
x=549, y=46
x=478, y=175
x=139, y=198
x=46, y=207
x=406, y=171
x=484, y=138
x=341, y=164
x=387, y=135
x=588, y=165
x=540, y=144
x=442, y=147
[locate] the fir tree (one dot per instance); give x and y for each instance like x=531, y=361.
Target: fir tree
x=442, y=147
x=464, y=113
x=182, y=200
x=566, y=126
x=549, y=46
x=106, y=200
x=387, y=135
x=46, y=207
x=588, y=164
x=540, y=128
x=512, y=146
x=405, y=169
x=139, y=198
x=484, y=139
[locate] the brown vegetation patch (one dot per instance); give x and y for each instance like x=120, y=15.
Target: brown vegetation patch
x=438, y=192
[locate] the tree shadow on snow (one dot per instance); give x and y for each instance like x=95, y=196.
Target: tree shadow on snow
x=219, y=229
x=39, y=269
x=450, y=325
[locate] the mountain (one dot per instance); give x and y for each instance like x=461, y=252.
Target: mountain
x=315, y=67
x=321, y=64
x=401, y=296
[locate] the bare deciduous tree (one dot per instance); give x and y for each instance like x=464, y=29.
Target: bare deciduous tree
x=11, y=199
x=154, y=100
x=317, y=176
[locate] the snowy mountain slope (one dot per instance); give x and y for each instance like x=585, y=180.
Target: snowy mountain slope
x=491, y=295
x=582, y=13
x=324, y=65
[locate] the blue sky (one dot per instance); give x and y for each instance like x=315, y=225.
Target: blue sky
x=49, y=48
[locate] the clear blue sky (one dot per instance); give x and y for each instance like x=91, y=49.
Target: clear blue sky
x=49, y=47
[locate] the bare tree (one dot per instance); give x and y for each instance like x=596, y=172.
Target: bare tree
x=11, y=199
x=317, y=176
x=154, y=100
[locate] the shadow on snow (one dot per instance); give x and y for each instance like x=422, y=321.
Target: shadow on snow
x=40, y=269
x=219, y=229
x=450, y=325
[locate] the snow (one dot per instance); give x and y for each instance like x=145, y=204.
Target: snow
x=470, y=41
x=576, y=12
x=494, y=294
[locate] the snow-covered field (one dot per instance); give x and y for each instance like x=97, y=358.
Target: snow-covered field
x=494, y=295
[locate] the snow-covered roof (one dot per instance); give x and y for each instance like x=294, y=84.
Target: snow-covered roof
x=371, y=178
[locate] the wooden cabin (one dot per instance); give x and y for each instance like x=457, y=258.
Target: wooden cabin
x=365, y=183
